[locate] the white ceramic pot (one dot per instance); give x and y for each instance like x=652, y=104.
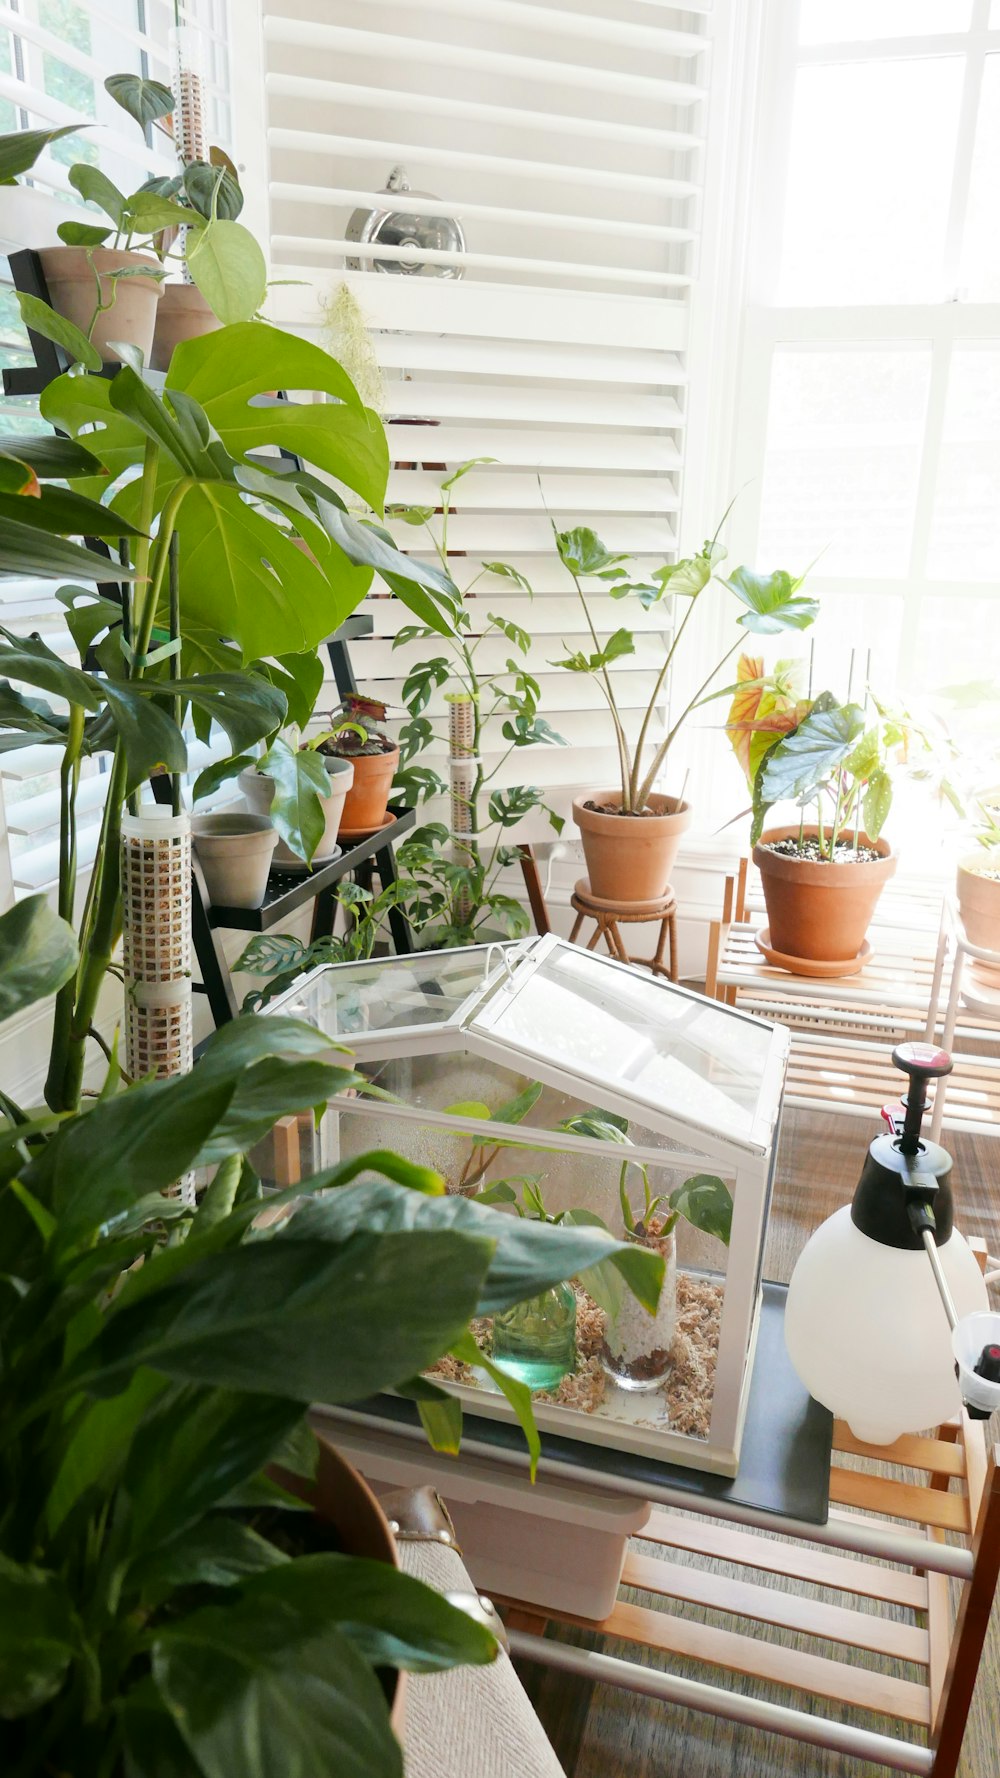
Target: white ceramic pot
x=636, y=1351
x=258, y=789
x=234, y=852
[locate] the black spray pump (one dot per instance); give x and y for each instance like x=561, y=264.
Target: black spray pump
x=903, y=1198
x=905, y=1182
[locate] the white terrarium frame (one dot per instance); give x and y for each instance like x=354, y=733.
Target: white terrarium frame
x=748, y=1158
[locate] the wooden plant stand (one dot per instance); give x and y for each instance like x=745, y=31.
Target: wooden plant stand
x=609, y=916
x=947, y=1527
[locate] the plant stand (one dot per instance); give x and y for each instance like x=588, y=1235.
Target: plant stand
x=608, y=916
x=844, y=1029
x=979, y=999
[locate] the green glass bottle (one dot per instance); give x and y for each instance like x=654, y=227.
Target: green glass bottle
x=535, y=1341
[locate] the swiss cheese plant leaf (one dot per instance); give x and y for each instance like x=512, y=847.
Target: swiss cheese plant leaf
x=301, y=787
x=76, y=403
x=151, y=739
x=24, y=550
x=247, y=705
x=61, y=512
x=30, y=660
x=38, y=953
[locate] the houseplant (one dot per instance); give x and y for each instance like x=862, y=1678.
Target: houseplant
x=631, y=833
x=456, y=870
x=821, y=880
x=978, y=883
x=360, y=741
x=106, y=294
x=164, y=1609
x=249, y=601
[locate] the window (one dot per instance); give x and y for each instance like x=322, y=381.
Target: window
x=868, y=424
x=54, y=55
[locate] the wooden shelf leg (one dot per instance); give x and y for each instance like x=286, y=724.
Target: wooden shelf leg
x=971, y=1623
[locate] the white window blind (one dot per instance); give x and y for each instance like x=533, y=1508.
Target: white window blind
x=567, y=140
x=54, y=56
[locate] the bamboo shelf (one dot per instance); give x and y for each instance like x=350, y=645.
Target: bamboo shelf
x=843, y=1030
x=894, y=1543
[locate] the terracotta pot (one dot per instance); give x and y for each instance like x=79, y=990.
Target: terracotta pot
x=630, y=857
x=182, y=314
x=234, y=852
x=258, y=789
x=72, y=289
x=979, y=898
x=368, y=796
x=820, y=911
x=344, y=1500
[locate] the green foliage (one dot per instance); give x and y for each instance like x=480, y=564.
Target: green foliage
x=143, y=100
x=20, y=151
x=836, y=758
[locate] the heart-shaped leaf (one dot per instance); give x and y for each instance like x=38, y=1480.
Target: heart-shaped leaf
x=144, y=100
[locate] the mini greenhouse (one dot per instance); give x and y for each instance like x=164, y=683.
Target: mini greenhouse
x=545, y=1079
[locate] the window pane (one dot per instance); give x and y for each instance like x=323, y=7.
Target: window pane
x=854, y=21
x=965, y=527
x=869, y=181
x=959, y=646
x=980, y=275
x=842, y=458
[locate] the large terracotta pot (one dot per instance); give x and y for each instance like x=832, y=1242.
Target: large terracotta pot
x=258, y=789
x=182, y=314
x=344, y=1500
x=368, y=796
x=818, y=911
x=72, y=288
x=979, y=898
x=630, y=857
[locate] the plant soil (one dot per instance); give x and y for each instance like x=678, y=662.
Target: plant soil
x=616, y=809
x=990, y=871
x=349, y=747
x=843, y=852
x=686, y=1390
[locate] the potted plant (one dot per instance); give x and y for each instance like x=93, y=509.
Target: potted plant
x=304, y=795
x=631, y=833
x=248, y=601
x=978, y=883
x=821, y=878
x=171, y=1608
x=106, y=281
x=361, y=741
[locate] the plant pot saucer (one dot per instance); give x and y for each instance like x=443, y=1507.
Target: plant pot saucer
x=297, y=867
x=361, y=833
x=981, y=989
x=823, y=968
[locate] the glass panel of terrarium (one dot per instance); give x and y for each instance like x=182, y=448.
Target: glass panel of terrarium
x=683, y=1058
x=356, y=1002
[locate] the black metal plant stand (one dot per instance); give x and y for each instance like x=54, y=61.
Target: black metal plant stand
x=286, y=891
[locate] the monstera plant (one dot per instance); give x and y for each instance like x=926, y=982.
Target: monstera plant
x=192, y=466
x=166, y=1608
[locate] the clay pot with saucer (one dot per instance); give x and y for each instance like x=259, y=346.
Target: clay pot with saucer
x=629, y=857
x=819, y=911
x=979, y=897
x=258, y=789
x=71, y=276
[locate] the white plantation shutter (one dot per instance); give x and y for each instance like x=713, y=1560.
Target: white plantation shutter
x=567, y=141
x=54, y=56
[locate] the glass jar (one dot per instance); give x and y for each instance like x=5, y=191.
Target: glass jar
x=636, y=1349
x=535, y=1341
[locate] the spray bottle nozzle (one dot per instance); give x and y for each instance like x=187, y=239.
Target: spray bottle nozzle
x=922, y=1062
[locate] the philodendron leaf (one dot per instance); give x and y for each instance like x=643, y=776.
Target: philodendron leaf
x=38, y=953
x=440, y=1413
x=583, y=552
x=207, y=184
x=705, y=1202
x=24, y=550
x=529, y=1256
x=229, y=269
x=772, y=602
x=38, y=1637
x=99, y=1445
x=144, y=100
x=216, y=1552
x=316, y=1707
x=517, y=1393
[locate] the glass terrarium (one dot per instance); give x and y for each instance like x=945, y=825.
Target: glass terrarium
x=544, y=1080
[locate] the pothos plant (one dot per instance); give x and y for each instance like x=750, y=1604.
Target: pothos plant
x=165, y=1611
x=833, y=759
x=178, y=474
x=456, y=887
x=769, y=604
x=281, y=958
